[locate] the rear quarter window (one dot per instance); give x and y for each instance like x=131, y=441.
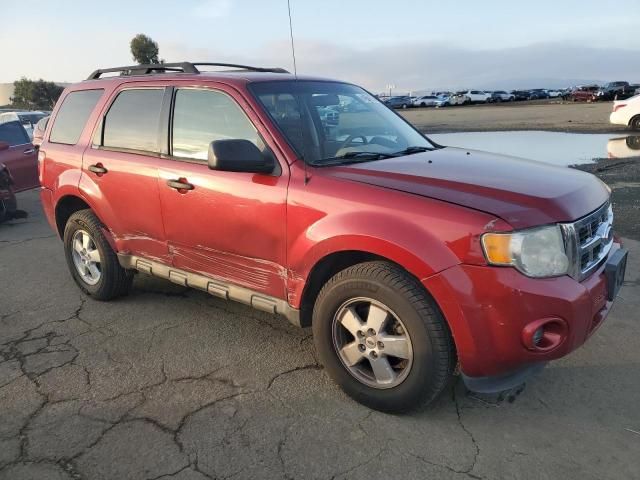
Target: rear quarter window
x=73, y=115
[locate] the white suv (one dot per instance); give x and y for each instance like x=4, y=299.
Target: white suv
x=477, y=96
x=626, y=112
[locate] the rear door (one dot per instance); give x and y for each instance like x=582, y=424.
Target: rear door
x=120, y=170
x=21, y=157
x=230, y=225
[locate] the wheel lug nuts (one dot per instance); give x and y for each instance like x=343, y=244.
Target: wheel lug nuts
x=374, y=355
x=371, y=332
x=360, y=333
x=380, y=345
x=362, y=348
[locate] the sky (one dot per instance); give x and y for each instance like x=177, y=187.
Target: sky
x=413, y=45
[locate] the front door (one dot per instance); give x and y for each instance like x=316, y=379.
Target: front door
x=229, y=225
x=21, y=158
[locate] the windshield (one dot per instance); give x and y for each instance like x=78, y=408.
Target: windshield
x=326, y=122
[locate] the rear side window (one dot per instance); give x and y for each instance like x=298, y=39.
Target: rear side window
x=133, y=120
x=13, y=133
x=72, y=116
x=202, y=116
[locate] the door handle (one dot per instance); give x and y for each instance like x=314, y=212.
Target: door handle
x=98, y=169
x=180, y=184
x=29, y=151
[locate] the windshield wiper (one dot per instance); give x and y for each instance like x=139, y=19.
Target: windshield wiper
x=352, y=157
x=411, y=150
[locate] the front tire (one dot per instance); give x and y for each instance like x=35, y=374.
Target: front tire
x=91, y=260
x=382, y=338
x=635, y=123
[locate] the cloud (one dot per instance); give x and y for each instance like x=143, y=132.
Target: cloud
x=212, y=9
x=422, y=66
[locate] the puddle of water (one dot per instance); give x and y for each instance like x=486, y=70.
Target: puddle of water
x=551, y=147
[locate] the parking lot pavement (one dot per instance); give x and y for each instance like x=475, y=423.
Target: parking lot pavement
x=173, y=383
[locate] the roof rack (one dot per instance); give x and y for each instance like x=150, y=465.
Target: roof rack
x=183, y=67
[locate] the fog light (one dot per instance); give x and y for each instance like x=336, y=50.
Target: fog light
x=545, y=334
x=537, y=336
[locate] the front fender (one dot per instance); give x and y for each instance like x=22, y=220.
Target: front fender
x=417, y=249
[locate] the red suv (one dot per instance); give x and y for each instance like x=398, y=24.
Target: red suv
x=406, y=258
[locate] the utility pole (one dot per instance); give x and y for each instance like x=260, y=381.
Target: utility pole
x=390, y=86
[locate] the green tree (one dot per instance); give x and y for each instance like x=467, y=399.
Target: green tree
x=35, y=94
x=144, y=49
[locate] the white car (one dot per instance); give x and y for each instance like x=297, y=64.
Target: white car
x=425, y=101
x=477, y=96
x=554, y=93
x=626, y=112
x=624, y=147
x=458, y=99
x=443, y=101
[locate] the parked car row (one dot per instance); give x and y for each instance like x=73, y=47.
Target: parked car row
x=618, y=90
x=465, y=97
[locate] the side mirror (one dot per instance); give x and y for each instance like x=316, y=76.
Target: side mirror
x=238, y=156
x=4, y=146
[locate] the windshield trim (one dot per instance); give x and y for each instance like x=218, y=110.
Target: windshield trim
x=274, y=123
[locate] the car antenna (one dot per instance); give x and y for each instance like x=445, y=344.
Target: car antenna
x=295, y=75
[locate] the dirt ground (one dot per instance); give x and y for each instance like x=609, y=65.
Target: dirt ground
x=550, y=116
x=172, y=383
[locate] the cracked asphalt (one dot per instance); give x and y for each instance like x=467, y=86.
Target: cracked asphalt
x=173, y=383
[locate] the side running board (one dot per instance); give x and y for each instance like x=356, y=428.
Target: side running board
x=218, y=288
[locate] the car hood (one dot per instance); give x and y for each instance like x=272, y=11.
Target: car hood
x=524, y=193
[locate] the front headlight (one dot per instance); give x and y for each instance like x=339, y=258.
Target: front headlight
x=537, y=252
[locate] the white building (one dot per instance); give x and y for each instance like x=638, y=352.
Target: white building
x=6, y=92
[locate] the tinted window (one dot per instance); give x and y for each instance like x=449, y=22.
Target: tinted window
x=133, y=120
x=72, y=116
x=202, y=116
x=13, y=133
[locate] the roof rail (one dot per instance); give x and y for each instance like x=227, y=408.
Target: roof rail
x=184, y=67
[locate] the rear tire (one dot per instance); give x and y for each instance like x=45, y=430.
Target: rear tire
x=635, y=123
x=419, y=372
x=92, y=262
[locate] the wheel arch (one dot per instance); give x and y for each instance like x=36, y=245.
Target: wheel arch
x=65, y=207
x=71, y=203
x=332, y=263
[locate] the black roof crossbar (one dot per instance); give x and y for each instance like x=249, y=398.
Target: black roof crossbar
x=183, y=67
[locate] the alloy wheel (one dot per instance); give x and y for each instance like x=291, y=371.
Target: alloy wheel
x=86, y=257
x=372, y=343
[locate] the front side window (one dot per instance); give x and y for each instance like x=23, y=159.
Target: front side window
x=72, y=116
x=202, y=116
x=328, y=121
x=133, y=120
x=13, y=133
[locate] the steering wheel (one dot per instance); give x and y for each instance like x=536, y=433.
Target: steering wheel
x=350, y=140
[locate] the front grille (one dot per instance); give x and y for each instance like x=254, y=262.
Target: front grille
x=588, y=241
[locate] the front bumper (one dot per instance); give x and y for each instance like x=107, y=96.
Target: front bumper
x=488, y=308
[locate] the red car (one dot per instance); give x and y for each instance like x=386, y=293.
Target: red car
x=19, y=156
x=406, y=258
x=584, y=94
